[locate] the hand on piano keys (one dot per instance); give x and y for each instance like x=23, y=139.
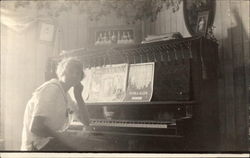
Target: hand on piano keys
x=78, y=130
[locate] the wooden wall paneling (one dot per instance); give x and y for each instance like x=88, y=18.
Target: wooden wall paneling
x=180, y=20
x=71, y=31
x=4, y=51
x=8, y=131
x=176, y=21
x=239, y=76
x=84, y=31
x=173, y=21
x=184, y=30
x=56, y=42
x=219, y=34
x=106, y=21
x=78, y=27
x=230, y=134
x=147, y=27
x=90, y=25
x=65, y=28
x=154, y=27
x=64, y=31
x=151, y=26
x=168, y=20
x=164, y=20
x=59, y=45
x=74, y=26
x=112, y=20
x=160, y=23
x=79, y=35
x=157, y=24
x=3, y=80
x=245, y=8
x=143, y=29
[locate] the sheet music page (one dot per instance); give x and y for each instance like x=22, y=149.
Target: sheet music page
x=107, y=84
x=140, y=82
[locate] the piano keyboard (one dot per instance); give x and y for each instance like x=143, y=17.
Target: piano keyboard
x=130, y=123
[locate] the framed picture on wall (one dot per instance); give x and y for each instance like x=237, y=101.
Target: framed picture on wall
x=47, y=31
x=113, y=35
x=202, y=23
x=192, y=8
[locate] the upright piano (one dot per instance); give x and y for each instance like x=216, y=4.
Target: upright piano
x=183, y=113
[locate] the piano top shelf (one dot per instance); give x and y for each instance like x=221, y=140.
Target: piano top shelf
x=155, y=103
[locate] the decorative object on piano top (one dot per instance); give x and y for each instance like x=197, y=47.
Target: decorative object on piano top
x=162, y=37
x=192, y=8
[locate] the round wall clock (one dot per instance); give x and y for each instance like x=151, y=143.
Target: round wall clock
x=192, y=10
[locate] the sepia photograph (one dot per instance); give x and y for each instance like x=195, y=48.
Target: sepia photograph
x=124, y=78
x=202, y=21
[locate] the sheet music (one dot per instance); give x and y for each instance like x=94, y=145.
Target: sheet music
x=140, y=82
x=107, y=84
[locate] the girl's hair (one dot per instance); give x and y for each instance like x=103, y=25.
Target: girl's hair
x=68, y=64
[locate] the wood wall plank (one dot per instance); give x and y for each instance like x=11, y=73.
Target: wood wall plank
x=157, y=24
x=228, y=76
x=218, y=34
x=173, y=21
x=245, y=7
x=163, y=21
x=168, y=21
x=180, y=20
x=239, y=74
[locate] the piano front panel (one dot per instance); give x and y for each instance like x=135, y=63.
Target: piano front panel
x=172, y=81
